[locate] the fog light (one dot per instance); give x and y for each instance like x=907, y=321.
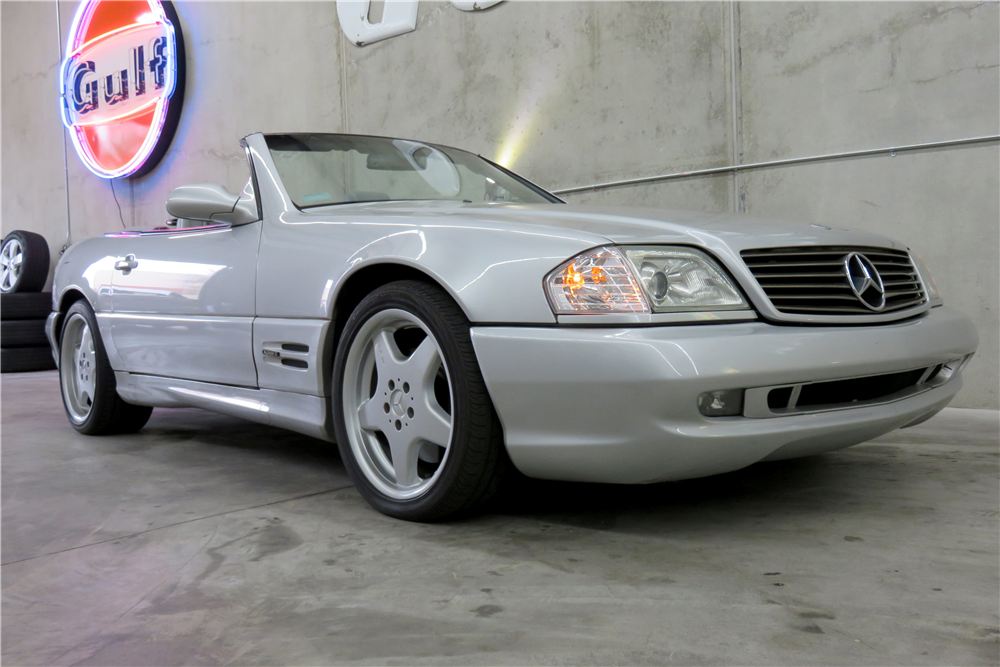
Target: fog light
x=724, y=403
x=949, y=369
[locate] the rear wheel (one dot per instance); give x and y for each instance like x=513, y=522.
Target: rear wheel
x=414, y=422
x=89, y=390
x=24, y=262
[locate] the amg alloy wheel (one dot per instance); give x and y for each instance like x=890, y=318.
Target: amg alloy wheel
x=397, y=404
x=89, y=390
x=78, y=359
x=415, y=424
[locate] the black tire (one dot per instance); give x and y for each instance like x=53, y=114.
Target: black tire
x=23, y=333
x=26, y=359
x=108, y=413
x=25, y=306
x=477, y=459
x=33, y=270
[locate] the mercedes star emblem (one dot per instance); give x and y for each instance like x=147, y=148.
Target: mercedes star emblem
x=865, y=281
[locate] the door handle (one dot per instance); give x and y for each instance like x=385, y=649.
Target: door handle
x=127, y=264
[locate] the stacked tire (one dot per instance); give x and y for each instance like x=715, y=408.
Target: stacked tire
x=24, y=269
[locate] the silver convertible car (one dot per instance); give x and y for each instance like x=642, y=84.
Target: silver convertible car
x=442, y=319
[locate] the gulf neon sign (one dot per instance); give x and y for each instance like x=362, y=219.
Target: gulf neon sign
x=122, y=84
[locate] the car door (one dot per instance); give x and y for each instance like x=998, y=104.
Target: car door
x=183, y=302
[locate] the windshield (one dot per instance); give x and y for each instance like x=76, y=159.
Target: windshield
x=325, y=169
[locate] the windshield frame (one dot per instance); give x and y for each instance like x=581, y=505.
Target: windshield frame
x=542, y=192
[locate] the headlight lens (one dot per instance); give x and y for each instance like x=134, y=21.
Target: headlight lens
x=596, y=282
x=640, y=280
x=933, y=293
x=678, y=278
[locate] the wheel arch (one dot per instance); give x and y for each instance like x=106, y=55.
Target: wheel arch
x=368, y=277
x=66, y=299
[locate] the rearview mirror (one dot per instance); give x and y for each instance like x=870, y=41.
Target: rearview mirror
x=387, y=162
x=211, y=203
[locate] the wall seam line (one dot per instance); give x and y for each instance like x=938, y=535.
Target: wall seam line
x=69, y=226
x=343, y=80
x=969, y=142
x=736, y=108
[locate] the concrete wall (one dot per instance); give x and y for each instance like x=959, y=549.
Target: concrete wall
x=828, y=77
x=577, y=93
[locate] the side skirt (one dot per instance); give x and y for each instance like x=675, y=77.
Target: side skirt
x=301, y=413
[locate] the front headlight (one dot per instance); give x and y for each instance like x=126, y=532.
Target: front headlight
x=677, y=278
x=640, y=280
x=596, y=282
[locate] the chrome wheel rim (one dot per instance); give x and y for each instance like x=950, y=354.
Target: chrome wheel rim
x=397, y=402
x=77, y=365
x=11, y=260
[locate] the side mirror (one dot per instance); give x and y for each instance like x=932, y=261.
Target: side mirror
x=211, y=203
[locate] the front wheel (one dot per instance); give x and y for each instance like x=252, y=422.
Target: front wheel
x=89, y=390
x=414, y=422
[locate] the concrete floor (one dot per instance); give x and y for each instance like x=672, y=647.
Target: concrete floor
x=210, y=540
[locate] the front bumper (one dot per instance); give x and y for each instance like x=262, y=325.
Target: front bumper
x=620, y=404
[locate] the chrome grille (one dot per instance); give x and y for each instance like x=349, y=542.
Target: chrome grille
x=813, y=279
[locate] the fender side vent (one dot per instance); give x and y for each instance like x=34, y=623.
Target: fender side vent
x=294, y=347
x=295, y=363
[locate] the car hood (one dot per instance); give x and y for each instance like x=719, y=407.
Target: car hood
x=626, y=225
